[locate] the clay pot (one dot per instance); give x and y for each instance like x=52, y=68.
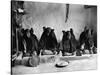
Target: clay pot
x=33, y=61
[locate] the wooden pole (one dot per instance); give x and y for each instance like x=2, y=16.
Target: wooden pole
x=67, y=12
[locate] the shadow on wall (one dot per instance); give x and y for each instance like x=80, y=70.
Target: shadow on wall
x=53, y=15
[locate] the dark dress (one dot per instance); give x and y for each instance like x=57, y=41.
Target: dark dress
x=28, y=45
x=20, y=41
